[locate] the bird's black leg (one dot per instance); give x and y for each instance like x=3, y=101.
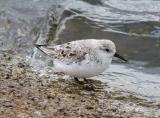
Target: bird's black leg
x=76, y=79
x=85, y=80
x=88, y=86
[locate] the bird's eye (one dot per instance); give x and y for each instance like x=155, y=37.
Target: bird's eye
x=107, y=50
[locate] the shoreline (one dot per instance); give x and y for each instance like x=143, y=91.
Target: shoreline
x=24, y=94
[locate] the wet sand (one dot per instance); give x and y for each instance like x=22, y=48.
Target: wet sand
x=25, y=94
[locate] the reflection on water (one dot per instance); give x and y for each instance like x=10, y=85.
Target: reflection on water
x=133, y=25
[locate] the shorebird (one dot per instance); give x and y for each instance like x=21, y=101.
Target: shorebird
x=82, y=58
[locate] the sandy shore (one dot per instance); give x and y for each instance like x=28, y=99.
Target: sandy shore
x=23, y=94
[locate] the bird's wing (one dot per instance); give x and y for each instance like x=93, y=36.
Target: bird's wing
x=67, y=53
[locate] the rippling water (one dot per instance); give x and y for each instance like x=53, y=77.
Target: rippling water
x=133, y=25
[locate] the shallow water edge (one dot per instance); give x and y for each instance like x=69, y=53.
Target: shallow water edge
x=25, y=94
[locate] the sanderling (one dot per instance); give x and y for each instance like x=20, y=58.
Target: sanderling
x=82, y=58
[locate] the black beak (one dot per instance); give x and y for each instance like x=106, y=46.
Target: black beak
x=120, y=57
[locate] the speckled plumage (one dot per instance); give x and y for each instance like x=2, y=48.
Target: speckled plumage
x=82, y=58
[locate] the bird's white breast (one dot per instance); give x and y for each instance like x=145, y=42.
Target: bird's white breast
x=81, y=70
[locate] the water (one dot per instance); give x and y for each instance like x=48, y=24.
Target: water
x=134, y=26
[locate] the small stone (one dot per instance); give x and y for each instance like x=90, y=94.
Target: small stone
x=99, y=110
x=21, y=65
x=38, y=113
x=7, y=104
x=89, y=107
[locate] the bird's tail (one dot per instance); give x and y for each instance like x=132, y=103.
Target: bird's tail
x=45, y=49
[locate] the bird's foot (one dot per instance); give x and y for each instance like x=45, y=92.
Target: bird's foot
x=87, y=84
x=89, y=87
x=85, y=80
x=77, y=80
